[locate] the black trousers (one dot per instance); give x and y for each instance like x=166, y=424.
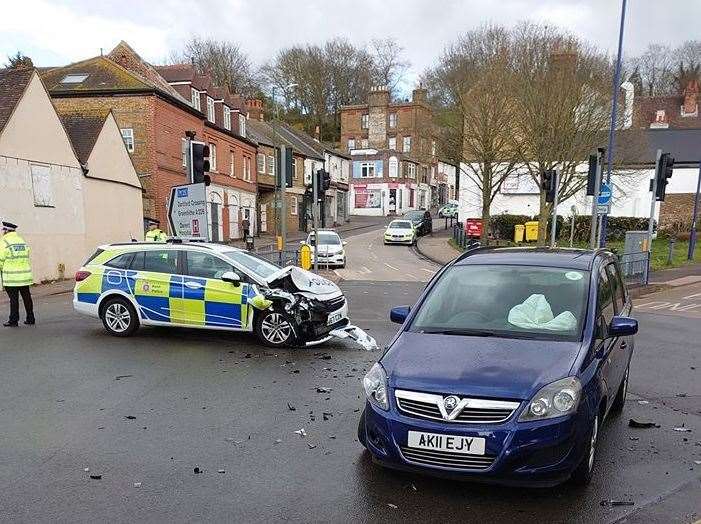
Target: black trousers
x=14, y=292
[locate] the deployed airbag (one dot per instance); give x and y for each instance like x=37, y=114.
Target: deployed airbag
x=535, y=313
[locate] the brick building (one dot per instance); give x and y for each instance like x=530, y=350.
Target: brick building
x=394, y=153
x=153, y=117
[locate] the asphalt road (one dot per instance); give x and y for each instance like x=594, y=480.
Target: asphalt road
x=219, y=401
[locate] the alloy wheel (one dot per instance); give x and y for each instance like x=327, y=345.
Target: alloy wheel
x=276, y=329
x=592, y=443
x=117, y=317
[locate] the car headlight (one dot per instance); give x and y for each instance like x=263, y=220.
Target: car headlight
x=375, y=384
x=554, y=400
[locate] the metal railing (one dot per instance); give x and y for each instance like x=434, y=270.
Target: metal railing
x=635, y=267
x=286, y=257
x=461, y=239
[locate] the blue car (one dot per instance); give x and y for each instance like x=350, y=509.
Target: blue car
x=505, y=369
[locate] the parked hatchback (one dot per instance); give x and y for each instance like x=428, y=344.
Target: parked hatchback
x=421, y=219
x=505, y=369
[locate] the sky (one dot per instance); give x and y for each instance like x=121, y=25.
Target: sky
x=56, y=32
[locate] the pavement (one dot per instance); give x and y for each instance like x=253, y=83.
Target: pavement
x=144, y=412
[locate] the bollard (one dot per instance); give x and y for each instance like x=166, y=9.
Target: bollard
x=672, y=240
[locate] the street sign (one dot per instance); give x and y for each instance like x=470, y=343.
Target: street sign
x=187, y=211
x=603, y=209
x=604, y=194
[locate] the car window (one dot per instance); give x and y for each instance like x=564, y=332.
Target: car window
x=205, y=265
x=616, y=287
x=121, y=261
x=326, y=239
x=400, y=225
x=156, y=261
x=605, y=307
x=94, y=256
x=509, y=301
x=259, y=267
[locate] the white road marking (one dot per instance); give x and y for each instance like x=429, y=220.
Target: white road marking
x=391, y=267
x=427, y=270
x=366, y=270
x=689, y=297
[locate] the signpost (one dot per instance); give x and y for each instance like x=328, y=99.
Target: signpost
x=603, y=202
x=187, y=212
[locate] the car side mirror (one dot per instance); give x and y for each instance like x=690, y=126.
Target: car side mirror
x=232, y=278
x=344, y=242
x=398, y=314
x=302, y=242
x=622, y=327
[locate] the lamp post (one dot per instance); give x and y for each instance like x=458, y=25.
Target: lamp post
x=280, y=210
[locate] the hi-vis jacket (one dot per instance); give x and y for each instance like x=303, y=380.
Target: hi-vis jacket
x=15, y=267
x=155, y=236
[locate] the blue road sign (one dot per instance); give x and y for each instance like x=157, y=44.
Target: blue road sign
x=604, y=194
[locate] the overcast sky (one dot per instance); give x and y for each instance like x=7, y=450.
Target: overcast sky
x=54, y=32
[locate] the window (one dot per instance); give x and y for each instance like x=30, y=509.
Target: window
x=614, y=277
x=212, y=157
x=260, y=162
x=364, y=143
x=41, y=185
x=351, y=144
x=210, y=109
x=195, y=97
x=294, y=205
x=406, y=144
x=156, y=261
x=409, y=170
x=365, y=121
x=393, y=143
x=367, y=169
x=393, y=120
x=73, y=79
x=605, y=298
x=232, y=168
x=128, y=137
x=294, y=168
x=271, y=165
x=433, y=147
x=247, y=169
x=242, y=125
x=204, y=265
x=121, y=262
x=227, y=118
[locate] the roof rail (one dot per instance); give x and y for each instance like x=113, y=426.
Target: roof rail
x=168, y=241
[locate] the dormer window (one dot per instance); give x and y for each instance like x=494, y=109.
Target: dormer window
x=210, y=109
x=195, y=97
x=242, y=125
x=227, y=118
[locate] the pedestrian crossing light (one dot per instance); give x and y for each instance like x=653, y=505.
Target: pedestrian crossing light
x=549, y=184
x=665, y=171
x=200, y=163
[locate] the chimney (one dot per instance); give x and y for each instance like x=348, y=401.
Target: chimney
x=378, y=97
x=419, y=95
x=378, y=106
x=254, y=107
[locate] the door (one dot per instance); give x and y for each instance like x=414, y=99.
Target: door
x=622, y=346
x=215, y=303
x=392, y=201
x=214, y=213
x=605, y=312
x=157, y=268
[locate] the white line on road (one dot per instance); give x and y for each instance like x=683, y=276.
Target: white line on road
x=427, y=270
x=391, y=267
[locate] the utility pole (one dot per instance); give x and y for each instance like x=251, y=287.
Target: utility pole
x=653, y=200
x=614, y=114
x=692, y=237
x=593, y=238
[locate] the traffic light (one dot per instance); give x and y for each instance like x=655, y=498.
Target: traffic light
x=664, y=173
x=591, y=177
x=325, y=180
x=286, y=166
x=200, y=163
x=549, y=184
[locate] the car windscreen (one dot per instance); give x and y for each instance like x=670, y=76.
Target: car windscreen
x=400, y=225
x=326, y=239
x=414, y=215
x=259, y=267
x=506, y=301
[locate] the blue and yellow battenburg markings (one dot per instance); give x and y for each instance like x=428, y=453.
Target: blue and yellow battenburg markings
x=175, y=298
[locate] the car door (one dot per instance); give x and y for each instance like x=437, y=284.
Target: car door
x=155, y=270
x=622, y=346
x=604, y=345
x=220, y=304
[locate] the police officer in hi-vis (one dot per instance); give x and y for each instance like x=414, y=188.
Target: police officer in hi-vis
x=16, y=273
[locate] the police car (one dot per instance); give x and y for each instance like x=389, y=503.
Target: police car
x=211, y=286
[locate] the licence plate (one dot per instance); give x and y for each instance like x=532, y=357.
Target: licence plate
x=449, y=443
x=334, y=317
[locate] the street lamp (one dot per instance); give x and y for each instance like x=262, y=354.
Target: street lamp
x=280, y=210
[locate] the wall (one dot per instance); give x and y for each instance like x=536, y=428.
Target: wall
x=113, y=210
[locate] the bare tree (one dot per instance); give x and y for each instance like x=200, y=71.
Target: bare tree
x=689, y=53
x=655, y=67
x=389, y=67
x=224, y=61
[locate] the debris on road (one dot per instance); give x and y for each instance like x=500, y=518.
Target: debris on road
x=137, y=484
x=96, y=477
x=323, y=390
x=277, y=441
x=311, y=446
x=682, y=429
x=120, y=377
x=643, y=401
x=221, y=471
x=617, y=503
x=301, y=432
x=197, y=470
x=130, y=417
x=642, y=425
x=291, y=407
x=393, y=506
x=87, y=470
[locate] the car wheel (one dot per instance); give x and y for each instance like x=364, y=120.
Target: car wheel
x=361, y=429
x=274, y=329
x=119, y=317
x=620, y=399
x=585, y=471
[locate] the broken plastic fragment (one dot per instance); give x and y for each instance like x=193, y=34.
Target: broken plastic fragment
x=197, y=470
x=86, y=470
x=393, y=506
x=311, y=446
x=617, y=503
x=355, y=333
x=221, y=471
x=301, y=432
x=323, y=390
x=137, y=484
x=291, y=407
x=96, y=477
x=642, y=425
x=682, y=429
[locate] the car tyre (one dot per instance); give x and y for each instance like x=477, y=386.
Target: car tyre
x=361, y=430
x=119, y=317
x=620, y=399
x=584, y=472
x=274, y=328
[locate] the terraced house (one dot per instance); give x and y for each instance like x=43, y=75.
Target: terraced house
x=153, y=114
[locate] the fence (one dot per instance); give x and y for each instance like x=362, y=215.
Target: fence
x=461, y=238
x=635, y=267
x=286, y=257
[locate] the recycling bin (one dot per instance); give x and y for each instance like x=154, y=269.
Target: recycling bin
x=519, y=232
x=531, y=231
